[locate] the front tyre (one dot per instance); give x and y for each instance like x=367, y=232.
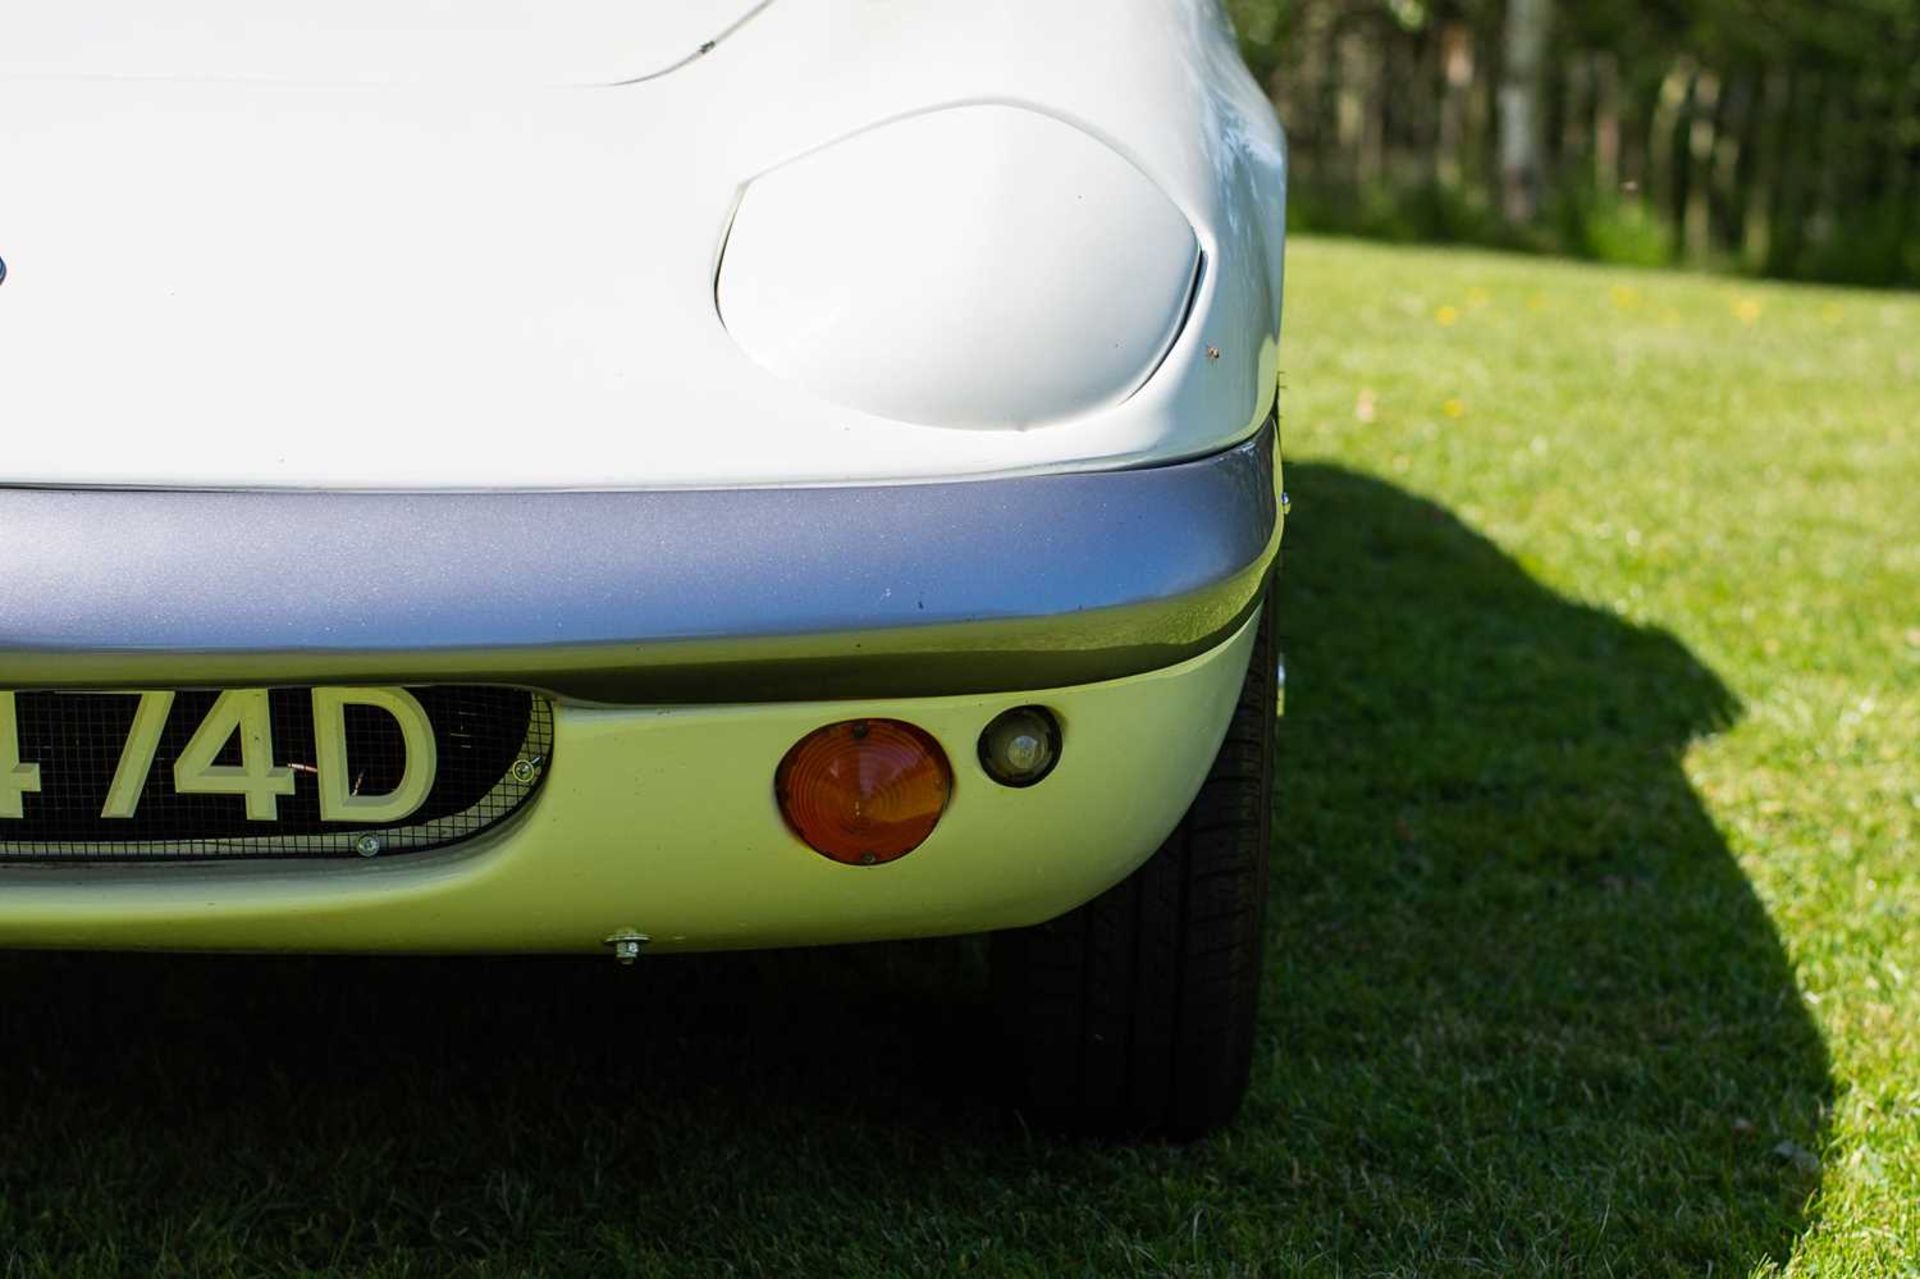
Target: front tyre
x=1134, y=1014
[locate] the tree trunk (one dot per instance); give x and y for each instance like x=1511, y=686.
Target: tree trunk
x=1522, y=176
x=1358, y=116
x=1606, y=126
x=1313, y=141
x=1823, y=226
x=1576, y=114
x=1769, y=141
x=1899, y=164
x=1663, y=179
x=1737, y=109
x=1787, y=247
x=1456, y=61
x=1697, y=221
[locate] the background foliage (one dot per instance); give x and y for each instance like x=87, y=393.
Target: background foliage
x=1779, y=137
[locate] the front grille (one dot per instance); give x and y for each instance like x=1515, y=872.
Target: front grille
x=492, y=746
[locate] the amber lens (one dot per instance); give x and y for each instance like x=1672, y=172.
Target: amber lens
x=864, y=791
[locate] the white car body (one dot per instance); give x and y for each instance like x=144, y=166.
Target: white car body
x=389, y=245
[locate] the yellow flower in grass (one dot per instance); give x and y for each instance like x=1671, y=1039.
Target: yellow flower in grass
x=1447, y=316
x=1454, y=408
x=1746, y=309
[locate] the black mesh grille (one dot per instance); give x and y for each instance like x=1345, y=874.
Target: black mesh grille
x=493, y=747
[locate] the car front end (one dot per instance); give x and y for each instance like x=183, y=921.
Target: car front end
x=819, y=486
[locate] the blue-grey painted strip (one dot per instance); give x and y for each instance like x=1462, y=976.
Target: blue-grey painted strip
x=668, y=595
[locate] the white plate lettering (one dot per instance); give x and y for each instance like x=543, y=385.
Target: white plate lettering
x=17, y=779
x=256, y=779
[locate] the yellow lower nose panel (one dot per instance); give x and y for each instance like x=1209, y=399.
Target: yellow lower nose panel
x=662, y=822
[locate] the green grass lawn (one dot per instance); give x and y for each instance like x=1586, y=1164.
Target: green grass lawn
x=1595, y=931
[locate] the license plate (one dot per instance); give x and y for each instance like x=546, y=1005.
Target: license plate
x=205, y=765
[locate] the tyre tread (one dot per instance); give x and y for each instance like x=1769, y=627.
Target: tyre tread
x=1134, y=1014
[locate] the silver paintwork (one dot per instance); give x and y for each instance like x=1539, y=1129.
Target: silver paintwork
x=655, y=596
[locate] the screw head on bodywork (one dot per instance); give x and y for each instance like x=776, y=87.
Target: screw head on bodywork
x=1286, y=503
x=523, y=771
x=627, y=944
x=369, y=845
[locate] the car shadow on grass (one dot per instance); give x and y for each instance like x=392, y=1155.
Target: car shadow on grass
x=1526, y=1008
x=1523, y=1013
